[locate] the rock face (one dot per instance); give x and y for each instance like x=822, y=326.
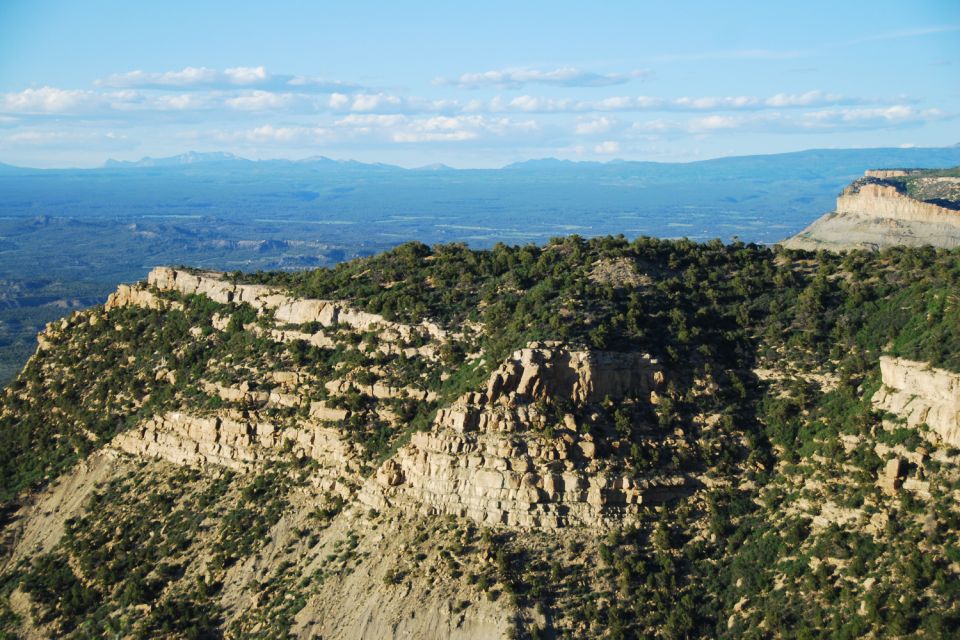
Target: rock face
x=494, y=455
x=482, y=460
x=921, y=394
x=873, y=214
x=547, y=371
x=889, y=479
x=234, y=441
x=127, y=295
x=884, y=173
x=285, y=309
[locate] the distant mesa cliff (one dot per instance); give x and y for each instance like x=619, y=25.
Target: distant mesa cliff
x=889, y=207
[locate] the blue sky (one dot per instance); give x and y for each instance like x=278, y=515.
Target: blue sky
x=472, y=84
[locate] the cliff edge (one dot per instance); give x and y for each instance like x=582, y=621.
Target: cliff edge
x=889, y=207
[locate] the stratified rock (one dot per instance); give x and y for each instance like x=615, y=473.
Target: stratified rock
x=233, y=440
x=481, y=460
x=921, y=394
x=286, y=309
x=873, y=214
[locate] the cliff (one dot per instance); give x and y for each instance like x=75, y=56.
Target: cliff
x=887, y=208
x=921, y=395
x=485, y=458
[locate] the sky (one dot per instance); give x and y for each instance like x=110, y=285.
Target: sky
x=478, y=84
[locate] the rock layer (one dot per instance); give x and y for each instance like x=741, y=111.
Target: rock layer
x=921, y=394
x=476, y=463
x=285, y=308
x=871, y=214
x=234, y=441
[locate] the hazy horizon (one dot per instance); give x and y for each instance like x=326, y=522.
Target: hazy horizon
x=345, y=160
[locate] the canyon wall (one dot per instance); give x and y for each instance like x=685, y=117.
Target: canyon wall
x=242, y=442
x=499, y=455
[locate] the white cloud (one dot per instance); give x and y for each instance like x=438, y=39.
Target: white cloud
x=372, y=103
x=369, y=121
x=875, y=117
x=49, y=100
x=562, y=76
x=834, y=119
x=618, y=103
x=714, y=122
x=375, y=102
x=267, y=134
x=246, y=75
x=440, y=128
x=593, y=126
x=339, y=101
x=711, y=103
x=810, y=98
x=607, y=147
x=186, y=77
x=199, y=78
x=170, y=102
x=530, y=104
x=260, y=101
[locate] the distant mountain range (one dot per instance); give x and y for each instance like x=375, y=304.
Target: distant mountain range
x=842, y=164
x=190, y=157
x=821, y=161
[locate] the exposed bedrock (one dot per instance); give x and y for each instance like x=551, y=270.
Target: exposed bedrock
x=482, y=460
x=921, y=394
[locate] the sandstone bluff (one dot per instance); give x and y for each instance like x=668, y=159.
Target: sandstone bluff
x=889, y=208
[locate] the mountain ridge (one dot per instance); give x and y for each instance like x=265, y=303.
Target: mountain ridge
x=214, y=157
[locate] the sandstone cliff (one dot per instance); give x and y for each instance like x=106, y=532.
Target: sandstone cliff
x=285, y=308
x=484, y=458
x=920, y=394
x=876, y=212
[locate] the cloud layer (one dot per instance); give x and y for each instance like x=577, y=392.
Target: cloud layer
x=562, y=76
x=562, y=108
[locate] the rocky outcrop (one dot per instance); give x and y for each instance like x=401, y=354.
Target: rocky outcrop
x=515, y=481
x=242, y=394
x=235, y=441
x=883, y=174
x=873, y=213
x=128, y=295
x=920, y=394
x=484, y=460
x=885, y=201
x=379, y=390
x=285, y=308
x=546, y=370
x=889, y=478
